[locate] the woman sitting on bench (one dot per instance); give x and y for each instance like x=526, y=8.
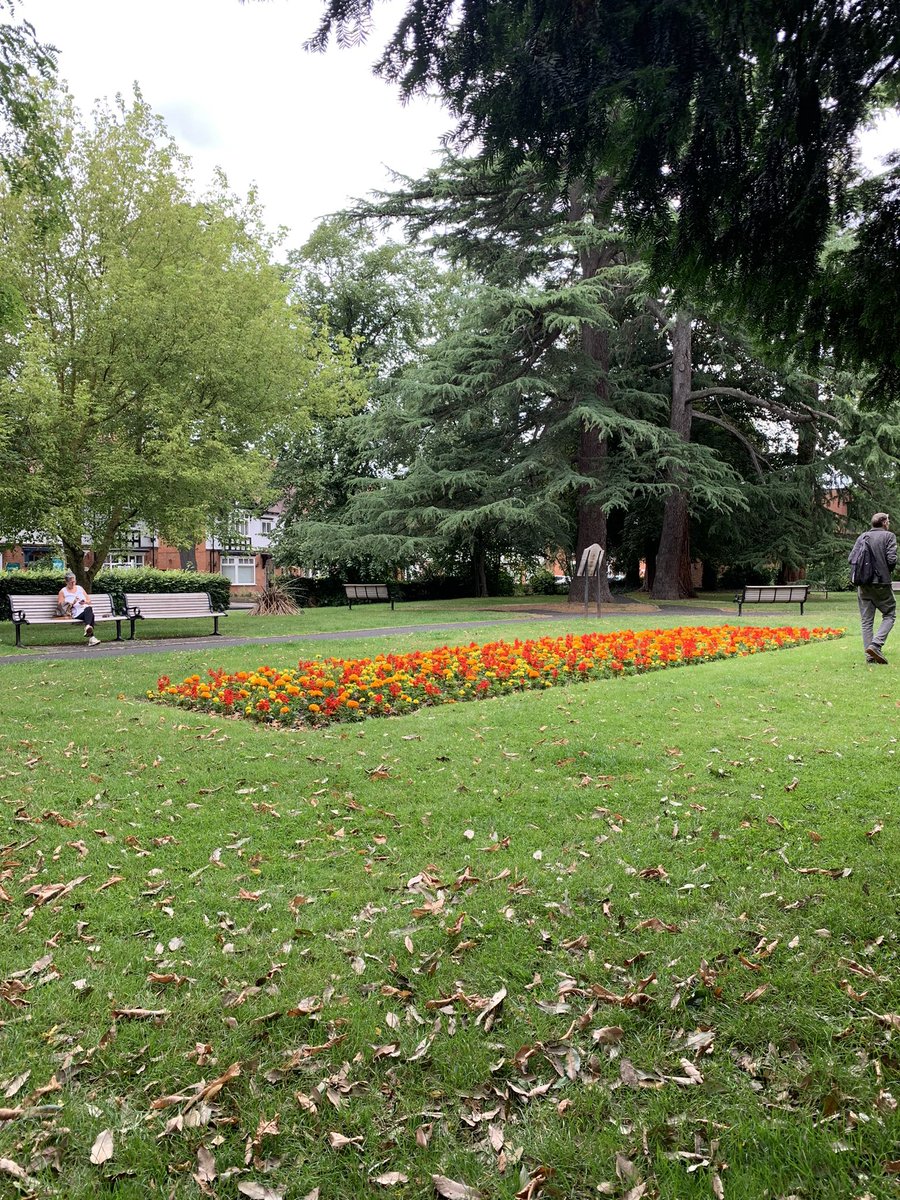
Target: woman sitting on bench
x=73, y=601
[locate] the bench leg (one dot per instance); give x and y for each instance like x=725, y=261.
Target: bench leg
x=740, y=605
x=131, y=637
x=801, y=607
x=392, y=604
x=18, y=633
x=118, y=631
x=216, y=627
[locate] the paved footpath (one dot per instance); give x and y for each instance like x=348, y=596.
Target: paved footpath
x=112, y=649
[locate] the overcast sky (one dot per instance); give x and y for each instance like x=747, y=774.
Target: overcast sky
x=238, y=91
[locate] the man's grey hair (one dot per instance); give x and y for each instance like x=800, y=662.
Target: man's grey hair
x=879, y=520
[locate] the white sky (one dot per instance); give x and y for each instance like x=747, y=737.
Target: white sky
x=238, y=91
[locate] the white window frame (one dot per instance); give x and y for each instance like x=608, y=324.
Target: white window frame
x=237, y=567
x=267, y=526
x=119, y=560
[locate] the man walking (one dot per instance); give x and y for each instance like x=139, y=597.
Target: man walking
x=873, y=558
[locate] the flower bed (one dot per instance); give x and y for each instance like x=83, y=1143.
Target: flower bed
x=337, y=689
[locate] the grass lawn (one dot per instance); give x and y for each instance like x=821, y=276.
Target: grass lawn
x=632, y=938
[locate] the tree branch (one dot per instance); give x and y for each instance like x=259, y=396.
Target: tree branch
x=791, y=414
x=748, y=446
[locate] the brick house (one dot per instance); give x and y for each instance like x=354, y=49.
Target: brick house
x=241, y=552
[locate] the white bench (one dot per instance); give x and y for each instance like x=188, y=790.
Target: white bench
x=772, y=593
x=367, y=591
x=41, y=610
x=166, y=606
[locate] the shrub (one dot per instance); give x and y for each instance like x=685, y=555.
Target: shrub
x=543, y=583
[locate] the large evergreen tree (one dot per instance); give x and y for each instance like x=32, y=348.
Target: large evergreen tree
x=743, y=113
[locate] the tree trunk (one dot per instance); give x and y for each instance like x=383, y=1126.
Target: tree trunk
x=672, y=579
x=593, y=448
x=807, y=448
x=188, y=558
x=479, y=570
x=75, y=556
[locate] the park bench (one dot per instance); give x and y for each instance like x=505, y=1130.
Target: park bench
x=367, y=591
x=772, y=593
x=41, y=610
x=166, y=606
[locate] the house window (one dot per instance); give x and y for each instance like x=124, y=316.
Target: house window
x=240, y=570
x=122, y=562
x=266, y=525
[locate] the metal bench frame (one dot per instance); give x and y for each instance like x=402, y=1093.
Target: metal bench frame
x=781, y=593
x=152, y=606
x=27, y=610
x=364, y=592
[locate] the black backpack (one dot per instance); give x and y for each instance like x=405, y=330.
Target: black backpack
x=862, y=563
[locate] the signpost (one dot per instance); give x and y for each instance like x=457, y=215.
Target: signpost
x=588, y=569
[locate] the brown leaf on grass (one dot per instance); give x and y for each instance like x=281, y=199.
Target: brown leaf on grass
x=636, y=998
x=206, y=1166
x=491, y=1011
x=9, y=1167
x=889, y=1020
x=633, y=1076
x=4, y=895
x=159, y=979
x=139, y=1014
x=792, y=786
x=449, y=1189
x=656, y=925
x=259, y=1191
x=752, y=997
x=111, y=882
x=770, y=820
x=15, y=1085
x=535, y=1185
x=102, y=1149
x=609, y=1035
x=829, y=872
x=390, y=1179
x=892, y=1167
x=652, y=873
x=44, y=893
x=423, y=1135
x=337, y=1141
x=875, y=830
x=455, y=929
x=243, y=894
x=813, y=836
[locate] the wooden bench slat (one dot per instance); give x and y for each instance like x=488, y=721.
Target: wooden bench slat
x=772, y=593
x=164, y=606
x=41, y=610
x=367, y=591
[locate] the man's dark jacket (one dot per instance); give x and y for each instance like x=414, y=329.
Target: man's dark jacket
x=883, y=545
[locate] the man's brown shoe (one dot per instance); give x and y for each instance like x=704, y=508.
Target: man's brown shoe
x=873, y=653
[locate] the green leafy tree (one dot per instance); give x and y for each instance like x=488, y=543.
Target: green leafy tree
x=741, y=113
x=158, y=365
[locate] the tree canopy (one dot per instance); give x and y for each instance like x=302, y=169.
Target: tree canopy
x=155, y=365
x=728, y=127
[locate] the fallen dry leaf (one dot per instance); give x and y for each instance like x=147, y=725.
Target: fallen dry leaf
x=259, y=1191
x=102, y=1149
x=449, y=1189
x=391, y=1179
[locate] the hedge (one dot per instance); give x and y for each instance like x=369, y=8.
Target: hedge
x=116, y=583
x=328, y=591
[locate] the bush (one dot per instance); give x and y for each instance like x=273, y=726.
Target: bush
x=116, y=583
x=544, y=583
